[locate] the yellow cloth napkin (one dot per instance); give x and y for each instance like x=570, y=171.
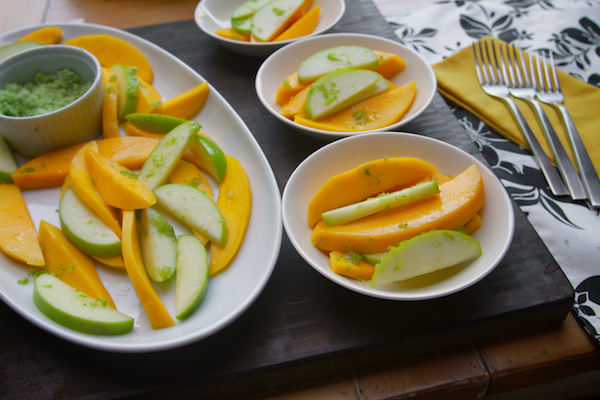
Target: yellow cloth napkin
x=457, y=80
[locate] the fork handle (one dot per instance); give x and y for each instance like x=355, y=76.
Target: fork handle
x=564, y=163
x=584, y=163
x=556, y=184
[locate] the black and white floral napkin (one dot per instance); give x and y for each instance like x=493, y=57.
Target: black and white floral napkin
x=571, y=30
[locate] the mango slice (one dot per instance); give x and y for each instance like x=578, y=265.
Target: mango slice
x=188, y=174
x=46, y=35
x=376, y=112
x=132, y=255
x=70, y=265
x=389, y=64
x=347, y=265
x=290, y=87
x=115, y=262
x=118, y=186
x=110, y=120
x=302, y=27
x=81, y=183
x=148, y=97
x=110, y=50
x=18, y=238
x=296, y=104
x=235, y=202
x=50, y=170
x=232, y=34
x=459, y=200
x=133, y=130
x=187, y=104
x=367, y=180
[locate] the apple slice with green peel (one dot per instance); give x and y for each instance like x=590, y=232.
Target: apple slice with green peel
x=332, y=59
x=85, y=229
x=425, y=253
x=340, y=89
x=13, y=48
x=158, y=244
x=128, y=85
x=155, y=123
x=69, y=307
x=374, y=258
x=380, y=203
x=167, y=153
x=192, y=275
x=242, y=25
x=209, y=155
x=248, y=8
x=7, y=162
x=271, y=20
x=194, y=208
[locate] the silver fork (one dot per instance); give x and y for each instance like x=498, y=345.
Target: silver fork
x=522, y=84
x=492, y=82
x=550, y=93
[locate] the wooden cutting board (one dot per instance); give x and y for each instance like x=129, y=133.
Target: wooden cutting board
x=302, y=326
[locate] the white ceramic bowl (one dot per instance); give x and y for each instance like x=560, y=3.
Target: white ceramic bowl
x=210, y=15
x=285, y=61
x=495, y=235
x=75, y=123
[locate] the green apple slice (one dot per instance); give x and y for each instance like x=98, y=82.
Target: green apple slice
x=127, y=85
x=155, y=123
x=374, y=258
x=85, y=229
x=380, y=203
x=158, y=244
x=210, y=156
x=192, y=275
x=167, y=153
x=13, y=48
x=242, y=25
x=69, y=307
x=425, y=253
x=268, y=19
x=194, y=208
x=332, y=59
x=248, y=8
x=7, y=162
x=340, y=89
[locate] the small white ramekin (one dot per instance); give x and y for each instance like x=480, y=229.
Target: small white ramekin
x=78, y=122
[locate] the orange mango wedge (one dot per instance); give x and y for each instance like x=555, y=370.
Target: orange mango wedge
x=111, y=50
x=342, y=264
x=302, y=27
x=70, y=265
x=232, y=34
x=376, y=112
x=148, y=97
x=235, y=202
x=18, y=238
x=118, y=186
x=51, y=169
x=115, y=262
x=46, y=35
x=187, y=104
x=367, y=180
x=132, y=255
x=81, y=183
x=110, y=120
x=459, y=200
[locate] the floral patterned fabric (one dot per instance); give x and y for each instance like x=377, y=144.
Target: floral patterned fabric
x=571, y=30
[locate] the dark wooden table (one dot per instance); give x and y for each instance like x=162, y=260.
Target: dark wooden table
x=302, y=327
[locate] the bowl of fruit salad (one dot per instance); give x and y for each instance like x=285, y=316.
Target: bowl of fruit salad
x=338, y=85
x=397, y=216
x=259, y=27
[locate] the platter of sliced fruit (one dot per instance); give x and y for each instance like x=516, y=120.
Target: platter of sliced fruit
x=398, y=216
x=159, y=233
